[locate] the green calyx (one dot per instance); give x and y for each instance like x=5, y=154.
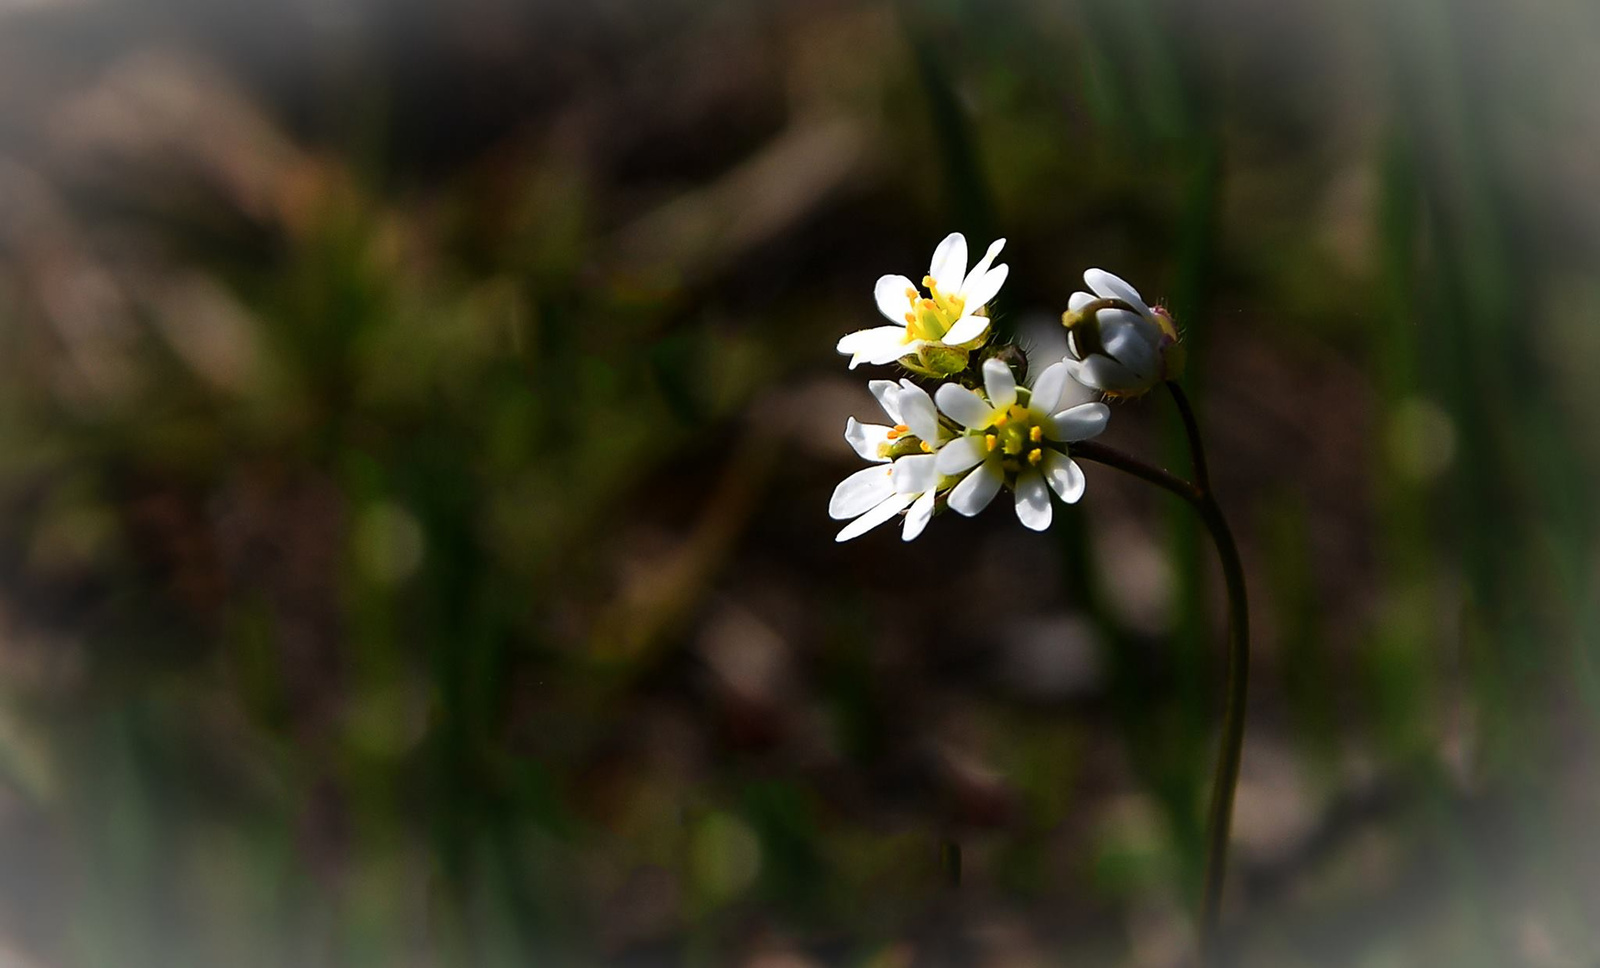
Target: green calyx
x=936, y=361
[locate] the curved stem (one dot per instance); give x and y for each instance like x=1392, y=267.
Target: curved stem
x=1219, y=814
x=1191, y=430
x=1128, y=464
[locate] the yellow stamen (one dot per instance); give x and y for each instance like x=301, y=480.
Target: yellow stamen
x=927, y=448
x=896, y=431
x=1035, y=456
x=990, y=442
x=1036, y=433
x=928, y=283
x=1000, y=421
x=911, y=294
x=911, y=319
x=929, y=304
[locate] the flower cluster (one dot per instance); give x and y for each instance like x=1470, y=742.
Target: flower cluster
x=980, y=432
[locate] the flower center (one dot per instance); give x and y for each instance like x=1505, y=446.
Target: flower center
x=932, y=316
x=1019, y=439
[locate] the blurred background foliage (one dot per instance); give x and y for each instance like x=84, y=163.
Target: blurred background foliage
x=417, y=422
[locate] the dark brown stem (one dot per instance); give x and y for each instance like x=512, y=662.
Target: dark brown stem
x=1219, y=815
x=1191, y=430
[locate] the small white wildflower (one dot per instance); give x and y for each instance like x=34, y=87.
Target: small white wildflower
x=904, y=478
x=1016, y=438
x=934, y=332
x=1119, y=351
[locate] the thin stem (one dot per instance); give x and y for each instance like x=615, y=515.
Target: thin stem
x=1191, y=430
x=1219, y=815
x=1128, y=464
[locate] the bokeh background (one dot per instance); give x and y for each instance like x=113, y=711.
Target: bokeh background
x=417, y=422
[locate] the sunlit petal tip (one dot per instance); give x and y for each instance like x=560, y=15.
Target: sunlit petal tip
x=1064, y=476
x=949, y=265
x=874, y=516
x=999, y=384
x=1082, y=422
x=918, y=413
x=963, y=406
x=980, y=289
x=887, y=393
x=1110, y=286
x=867, y=439
x=1048, y=387
x=1033, y=501
x=917, y=517
x=890, y=294
x=860, y=491
x=977, y=489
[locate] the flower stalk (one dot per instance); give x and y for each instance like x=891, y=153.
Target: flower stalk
x=1219, y=813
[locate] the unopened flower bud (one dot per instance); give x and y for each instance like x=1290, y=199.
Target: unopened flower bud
x=1117, y=343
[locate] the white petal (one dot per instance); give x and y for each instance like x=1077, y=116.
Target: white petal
x=949, y=266
x=866, y=439
x=965, y=330
x=1078, y=423
x=1064, y=475
x=1047, y=388
x=1104, y=373
x=983, y=264
x=977, y=489
x=917, y=518
x=918, y=413
x=887, y=393
x=999, y=384
x=915, y=474
x=890, y=292
x=963, y=406
x=1079, y=300
x=860, y=491
x=881, y=344
x=1112, y=287
x=981, y=269
x=960, y=454
x=986, y=288
x=1130, y=346
x=874, y=517
x=1033, y=501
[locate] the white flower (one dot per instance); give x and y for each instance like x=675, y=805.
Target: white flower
x=948, y=319
x=1119, y=351
x=903, y=477
x=1016, y=438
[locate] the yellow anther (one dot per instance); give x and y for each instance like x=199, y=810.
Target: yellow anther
x=1035, y=456
x=1036, y=433
x=929, y=284
x=1000, y=421
x=927, y=448
x=896, y=431
x=911, y=318
x=929, y=304
x=990, y=442
x=911, y=294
